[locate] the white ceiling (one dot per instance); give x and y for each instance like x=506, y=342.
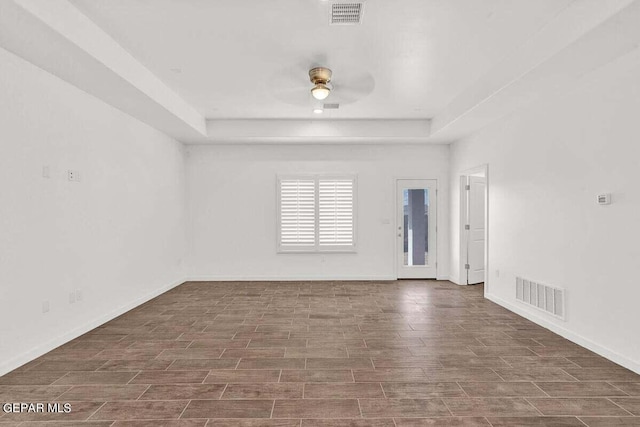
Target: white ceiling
x=235, y=71
x=243, y=58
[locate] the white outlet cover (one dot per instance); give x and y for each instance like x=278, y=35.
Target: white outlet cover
x=45, y=306
x=45, y=172
x=73, y=175
x=78, y=295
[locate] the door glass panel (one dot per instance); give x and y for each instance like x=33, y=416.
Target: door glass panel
x=416, y=226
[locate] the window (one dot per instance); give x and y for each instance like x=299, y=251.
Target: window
x=316, y=213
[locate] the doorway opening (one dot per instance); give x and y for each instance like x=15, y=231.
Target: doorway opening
x=474, y=226
x=416, y=201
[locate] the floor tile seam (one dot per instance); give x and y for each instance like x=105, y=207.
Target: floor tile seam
x=567, y=373
x=145, y=390
x=95, y=412
x=499, y=376
x=488, y=421
x=154, y=400
x=184, y=409
x=571, y=361
x=102, y=366
x=629, y=412
x=56, y=380
x=534, y=407
x=170, y=365
x=205, y=377
x=582, y=421
x=508, y=364
x=447, y=406
x=540, y=388
x=618, y=388
x=462, y=388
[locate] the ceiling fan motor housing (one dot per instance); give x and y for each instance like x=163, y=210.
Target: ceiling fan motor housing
x=320, y=75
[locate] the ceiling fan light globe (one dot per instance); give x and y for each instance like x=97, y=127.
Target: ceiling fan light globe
x=320, y=92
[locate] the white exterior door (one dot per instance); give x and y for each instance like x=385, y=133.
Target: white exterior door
x=475, y=233
x=416, y=201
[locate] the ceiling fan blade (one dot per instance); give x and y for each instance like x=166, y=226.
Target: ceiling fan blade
x=298, y=96
x=351, y=88
x=290, y=85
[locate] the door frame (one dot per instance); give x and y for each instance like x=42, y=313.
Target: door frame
x=484, y=168
x=396, y=253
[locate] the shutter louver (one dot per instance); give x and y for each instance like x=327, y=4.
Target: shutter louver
x=335, y=216
x=297, y=213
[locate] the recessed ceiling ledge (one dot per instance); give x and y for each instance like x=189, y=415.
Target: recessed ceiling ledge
x=57, y=37
x=317, y=131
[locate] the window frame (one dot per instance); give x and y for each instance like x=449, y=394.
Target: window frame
x=316, y=248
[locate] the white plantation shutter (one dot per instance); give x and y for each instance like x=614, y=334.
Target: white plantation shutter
x=335, y=212
x=297, y=213
x=316, y=213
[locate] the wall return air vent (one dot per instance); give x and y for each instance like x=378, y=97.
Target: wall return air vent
x=543, y=297
x=346, y=13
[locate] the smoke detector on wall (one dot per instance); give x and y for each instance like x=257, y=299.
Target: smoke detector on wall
x=346, y=13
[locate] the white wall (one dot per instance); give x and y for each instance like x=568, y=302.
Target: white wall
x=118, y=235
x=232, y=202
x=546, y=165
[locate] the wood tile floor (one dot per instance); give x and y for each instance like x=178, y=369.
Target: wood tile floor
x=332, y=354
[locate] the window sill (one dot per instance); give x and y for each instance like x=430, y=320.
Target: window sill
x=322, y=252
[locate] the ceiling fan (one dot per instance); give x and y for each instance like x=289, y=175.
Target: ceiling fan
x=344, y=84
x=320, y=77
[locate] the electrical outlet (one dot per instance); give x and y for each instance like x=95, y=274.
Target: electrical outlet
x=45, y=306
x=73, y=175
x=497, y=273
x=45, y=171
x=72, y=297
x=78, y=295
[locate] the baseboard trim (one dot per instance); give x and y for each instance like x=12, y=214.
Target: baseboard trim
x=285, y=278
x=571, y=336
x=456, y=281
x=46, y=347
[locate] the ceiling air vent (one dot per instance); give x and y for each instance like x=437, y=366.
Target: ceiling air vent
x=346, y=13
x=331, y=106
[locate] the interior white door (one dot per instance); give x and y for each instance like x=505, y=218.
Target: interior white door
x=476, y=224
x=416, y=228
